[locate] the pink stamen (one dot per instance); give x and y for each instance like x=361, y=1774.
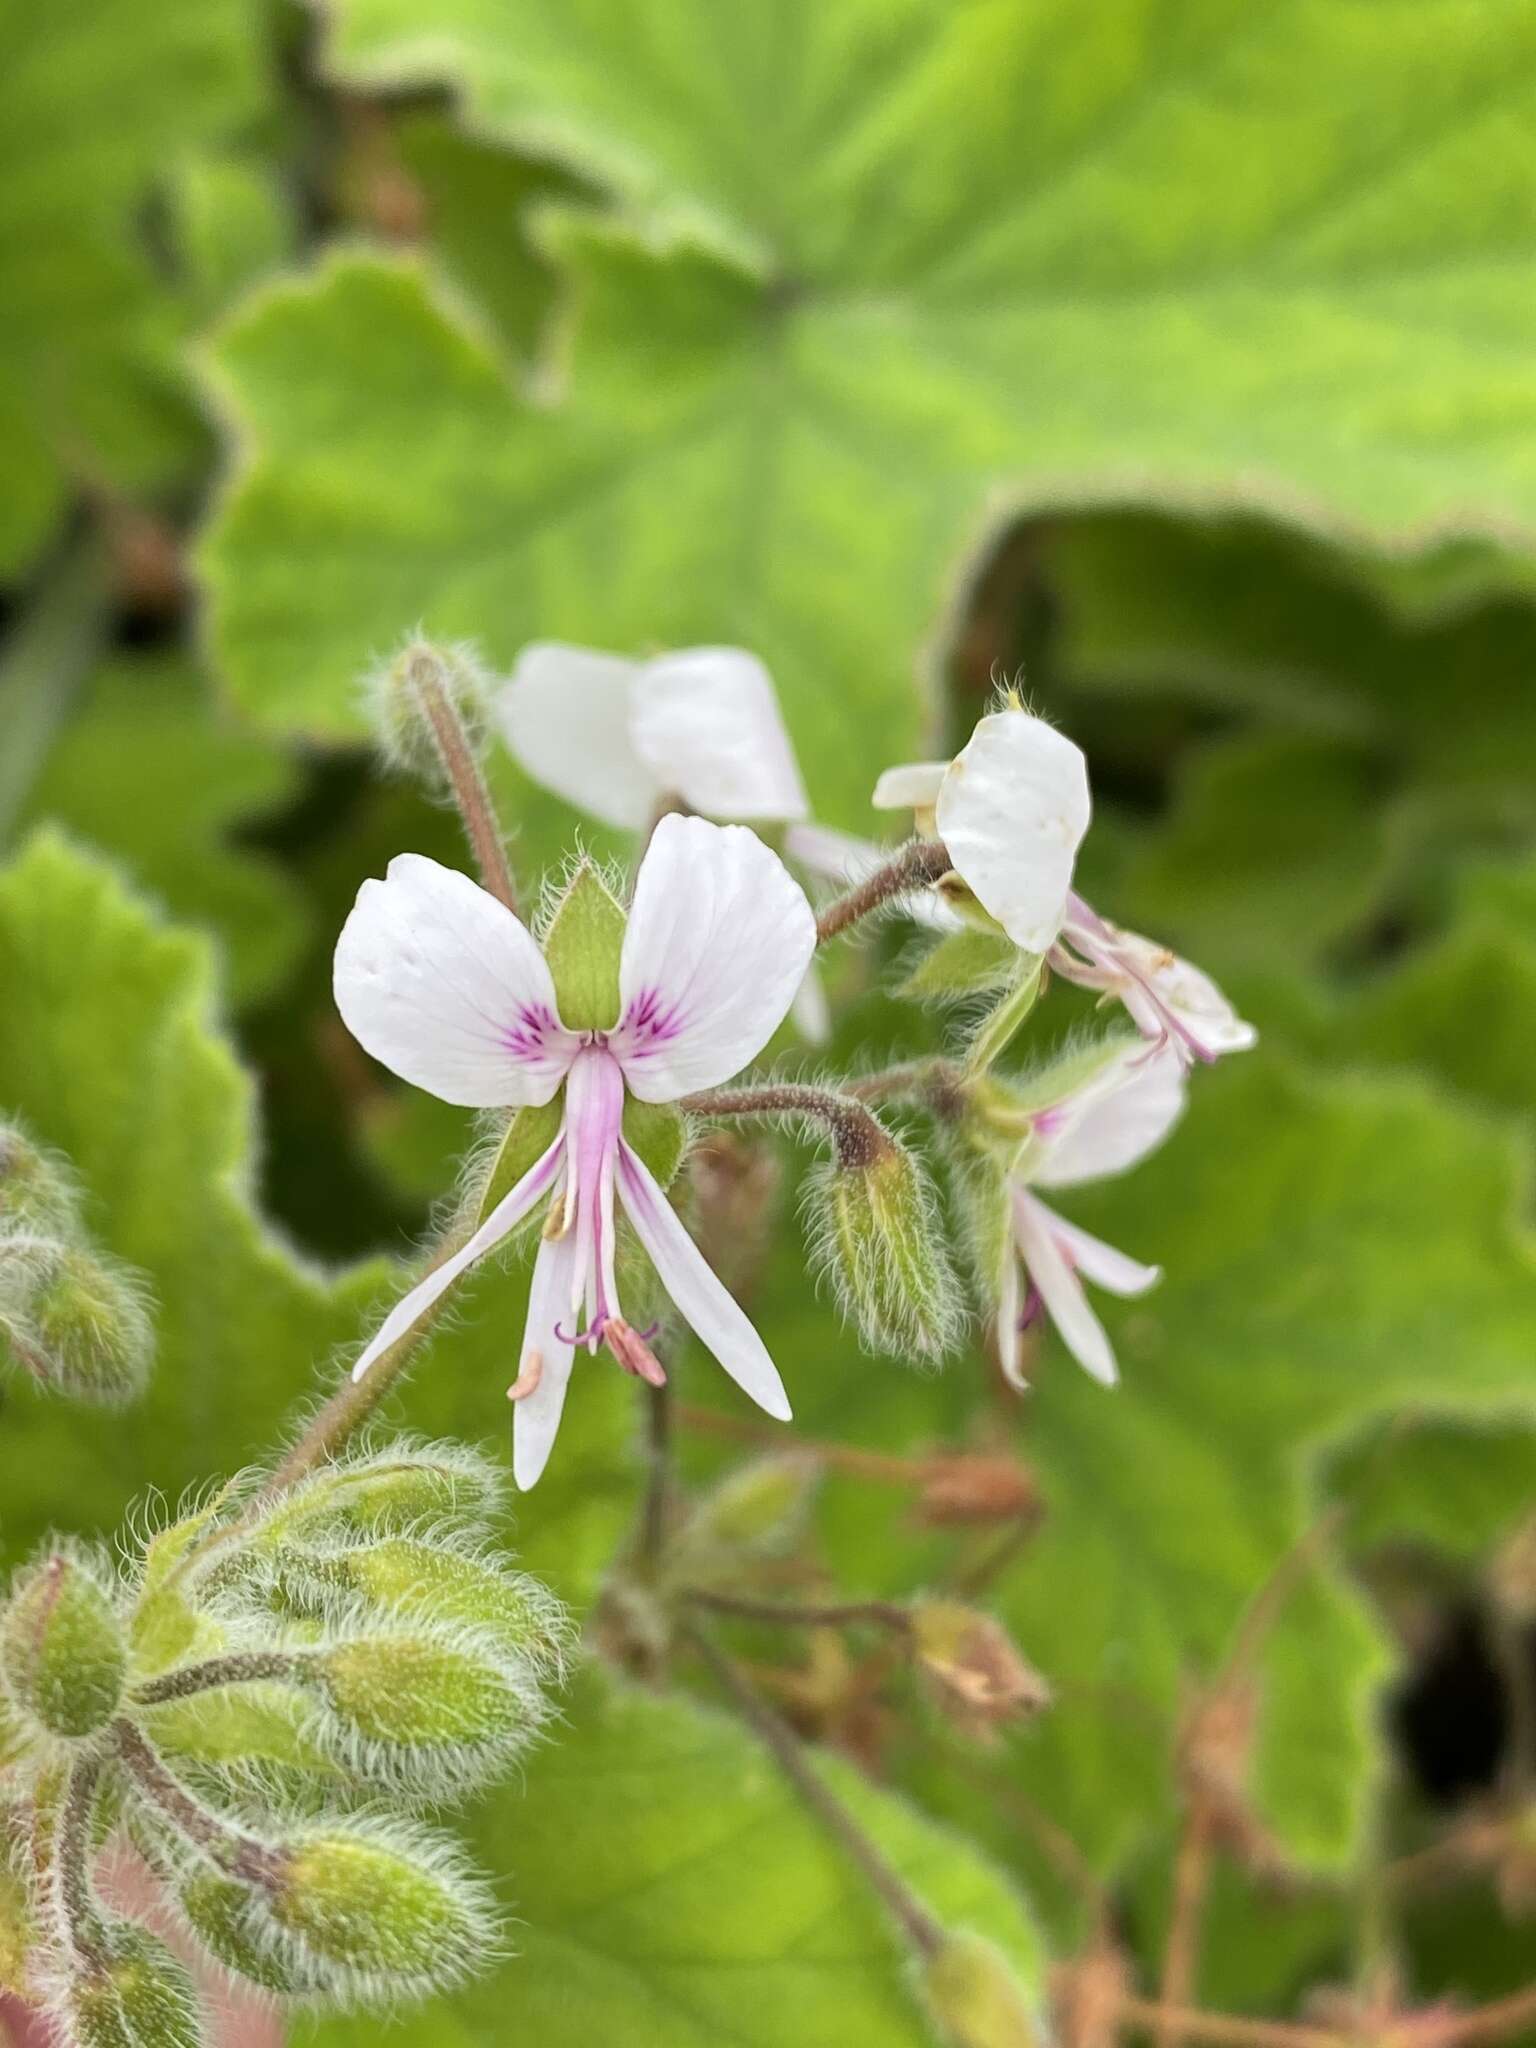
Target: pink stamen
x=632, y=1349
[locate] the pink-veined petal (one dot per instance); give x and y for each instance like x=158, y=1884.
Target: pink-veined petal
x=443, y=984
x=506, y=1216
x=706, y=723
x=704, y=1302
x=718, y=941
x=565, y=714
x=536, y=1417
x=1013, y=810
x=1138, y=1105
x=1062, y=1292
x=1115, y=1271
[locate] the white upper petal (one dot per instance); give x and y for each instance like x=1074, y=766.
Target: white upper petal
x=914, y=786
x=1066, y=1303
x=1126, y=1114
x=698, y=1294
x=718, y=941
x=565, y=714
x=444, y=985
x=706, y=723
x=1013, y=810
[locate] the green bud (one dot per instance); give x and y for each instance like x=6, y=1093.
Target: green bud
x=16, y=1931
x=757, y=1511
x=62, y=1651
x=391, y=1490
x=878, y=1242
x=135, y=1995
x=380, y=1916
x=582, y=943
x=233, y=1924
x=87, y=1328
x=439, y=1711
x=414, y=695
x=35, y=1190
x=403, y=1575
x=977, y=1999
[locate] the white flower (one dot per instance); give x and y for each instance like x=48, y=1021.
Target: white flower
x=442, y=983
x=1097, y=1129
x=1012, y=809
x=1168, y=999
x=617, y=737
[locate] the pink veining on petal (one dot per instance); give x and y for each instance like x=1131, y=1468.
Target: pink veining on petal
x=650, y=1020
x=528, y=1036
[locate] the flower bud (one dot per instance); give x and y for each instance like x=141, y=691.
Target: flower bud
x=136, y=1995
x=375, y=1916
x=231, y=1921
x=15, y=1928
x=415, y=695
x=439, y=1711
x=392, y=1490
x=757, y=1511
x=35, y=1190
x=88, y=1329
x=975, y=1673
x=976, y=1998
x=963, y=1488
x=62, y=1651
x=878, y=1241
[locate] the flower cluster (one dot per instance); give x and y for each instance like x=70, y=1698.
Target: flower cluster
x=256, y=1716
x=596, y=1029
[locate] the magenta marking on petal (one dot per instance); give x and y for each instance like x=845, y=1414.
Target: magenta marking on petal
x=525, y=1038
x=1033, y=1309
x=649, y=1021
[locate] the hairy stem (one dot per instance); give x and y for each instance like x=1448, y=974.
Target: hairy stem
x=226, y=1846
x=51, y=650
x=74, y=1899
x=240, y=1668
x=922, y=1932
x=471, y=796
x=918, y=865
x=1191, y=1883
x=1000, y=1025
x=857, y=1134
x=803, y=1614
x=654, y=1508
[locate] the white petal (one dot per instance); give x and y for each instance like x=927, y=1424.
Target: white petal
x=1115, y=1271
x=444, y=985
x=507, y=1214
x=1130, y=1116
x=1013, y=811
x=1010, y=1338
x=706, y=723
x=718, y=941
x=1060, y=1289
x=536, y=1418
x=1195, y=1000
x=914, y=786
x=811, y=1011
x=704, y=1303
x=842, y=858
x=565, y=714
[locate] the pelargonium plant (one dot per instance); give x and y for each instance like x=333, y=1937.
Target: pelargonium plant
x=261, y=1704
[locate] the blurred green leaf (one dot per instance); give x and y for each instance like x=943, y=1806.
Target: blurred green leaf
x=96, y=100
x=672, y=1892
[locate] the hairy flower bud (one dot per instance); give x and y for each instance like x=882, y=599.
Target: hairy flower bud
x=876, y=1237
x=972, y=1667
x=133, y=1995
x=757, y=1511
x=437, y=1710
x=86, y=1327
x=414, y=696
x=384, y=1492
x=62, y=1651
x=35, y=1190
x=231, y=1921
x=976, y=1998
x=15, y=1927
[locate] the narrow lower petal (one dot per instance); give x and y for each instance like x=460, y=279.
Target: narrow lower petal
x=1131, y=1111
x=1066, y=1303
x=705, y=1304
x=443, y=984
x=565, y=715
x=718, y=941
x=1115, y=1271
x=1013, y=811
x=706, y=723
x=1010, y=1334
x=507, y=1214
x=536, y=1417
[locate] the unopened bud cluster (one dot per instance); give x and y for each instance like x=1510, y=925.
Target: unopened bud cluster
x=275, y=1673
x=71, y=1317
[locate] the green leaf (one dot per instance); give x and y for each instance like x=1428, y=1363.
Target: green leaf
x=867, y=307
x=149, y=771
x=672, y=1892
x=92, y=106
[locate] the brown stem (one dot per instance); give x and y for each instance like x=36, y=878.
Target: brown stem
x=917, y=1924
x=858, y=1136
x=934, y=1084
x=849, y=1459
x=919, y=864
x=78, y=1917
x=471, y=796
x=654, y=1508
x=241, y=1668
x=230, y=1848
x=1227, y=2030
x=1191, y=1882
x=1510, y=2015
x=803, y=1614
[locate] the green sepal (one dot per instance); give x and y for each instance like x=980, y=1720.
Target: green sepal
x=658, y=1133
x=965, y=963
x=582, y=945
x=227, y=1919
x=134, y=1995
x=528, y=1136
x=62, y=1649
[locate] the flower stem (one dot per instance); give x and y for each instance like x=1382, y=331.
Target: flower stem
x=51, y=650
x=75, y=1901
x=803, y=1614
x=242, y=1668
x=922, y=1932
x=857, y=1134
x=226, y=1846
x=471, y=795
x=919, y=864
x=659, y=1430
